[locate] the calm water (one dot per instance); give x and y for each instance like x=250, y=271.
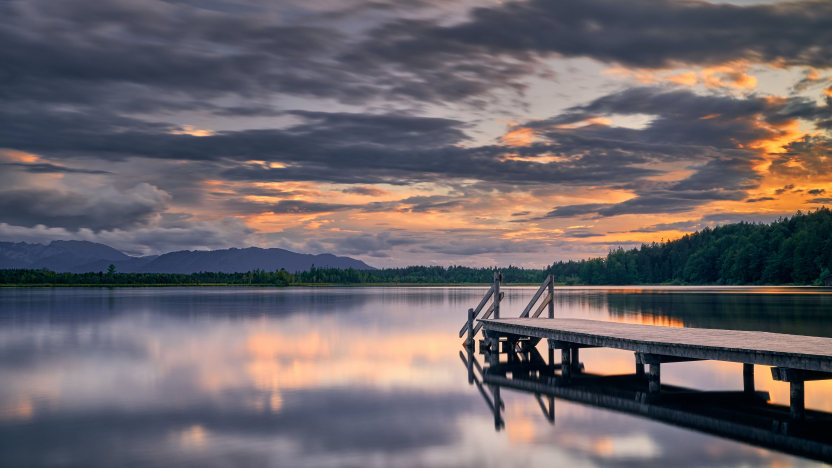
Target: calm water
x=360, y=377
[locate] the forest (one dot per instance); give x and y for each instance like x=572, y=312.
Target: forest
x=796, y=250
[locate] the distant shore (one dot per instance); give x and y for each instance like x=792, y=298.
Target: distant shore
x=387, y=285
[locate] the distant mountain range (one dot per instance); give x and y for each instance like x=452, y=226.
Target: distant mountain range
x=83, y=257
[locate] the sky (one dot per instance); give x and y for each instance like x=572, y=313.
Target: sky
x=402, y=132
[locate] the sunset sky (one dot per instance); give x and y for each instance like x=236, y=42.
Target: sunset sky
x=409, y=132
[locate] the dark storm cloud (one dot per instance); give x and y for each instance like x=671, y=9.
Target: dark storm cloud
x=46, y=168
x=582, y=234
x=283, y=207
x=374, y=245
x=804, y=158
x=570, y=211
x=784, y=189
x=683, y=117
x=716, y=180
x=96, y=208
x=638, y=33
x=366, y=191
x=336, y=147
x=712, y=220
x=152, y=56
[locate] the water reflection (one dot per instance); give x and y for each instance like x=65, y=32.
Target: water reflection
x=744, y=415
x=332, y=377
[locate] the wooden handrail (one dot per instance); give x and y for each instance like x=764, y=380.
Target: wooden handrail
x=486, y=315
x=478, y=309
x=536, y=297
x=543, y=304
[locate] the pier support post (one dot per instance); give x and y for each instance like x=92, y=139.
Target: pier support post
x=565, y=362
x=497, y=279
x=498, y=421
x=551, y=357
x=797, y=408
x=552, y=295
x=654, y=379
x=470, y=365
x=639, y=369
x=576, y=360
x=470, y=342
x=748, y=378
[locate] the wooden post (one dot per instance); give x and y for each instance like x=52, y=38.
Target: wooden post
x=497, y=420
x=470, y=365
x=748, y=378
x=551, y=357
x=565, y=365
x=797, y=408
x=496, y=294
x=470, y=342
x=494, y=347
x=639, y=367
x=552, y=293
x=551, y=410
x=576, y=360
x=654, y=379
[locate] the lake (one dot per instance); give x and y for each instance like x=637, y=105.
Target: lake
x=363, y=377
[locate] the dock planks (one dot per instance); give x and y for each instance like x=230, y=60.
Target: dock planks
x=750, y=347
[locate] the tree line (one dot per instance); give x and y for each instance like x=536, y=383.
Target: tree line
x=796, y=250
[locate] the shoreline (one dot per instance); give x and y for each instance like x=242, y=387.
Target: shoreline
x=396, y=285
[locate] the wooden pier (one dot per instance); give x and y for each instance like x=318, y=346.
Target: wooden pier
x=794, y=359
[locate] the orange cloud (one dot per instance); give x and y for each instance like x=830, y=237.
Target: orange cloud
x=686, y=79
x=20, y=156
x=729, y=75
x=191, y=130
x=520, y=137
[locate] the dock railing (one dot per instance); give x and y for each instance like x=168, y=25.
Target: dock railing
x=549, y=300
x=494, y=308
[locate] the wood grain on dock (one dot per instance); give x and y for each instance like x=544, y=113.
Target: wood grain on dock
x=750, y=347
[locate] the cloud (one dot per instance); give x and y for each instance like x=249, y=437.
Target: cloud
x=374, y=245
x=284, y=207
x=570, y=211
x=816, y=191
x=99, y=208
x=366, y=191
x=761, y=199
x=784, y=189
x=46, y=168
x=640, y=34
x=151, y=240
x=712, y=220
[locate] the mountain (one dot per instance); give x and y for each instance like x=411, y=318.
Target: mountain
x=83, y=257
x=252, y=258
x=58, y=256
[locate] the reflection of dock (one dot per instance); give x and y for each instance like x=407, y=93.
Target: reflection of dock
x=741, y=416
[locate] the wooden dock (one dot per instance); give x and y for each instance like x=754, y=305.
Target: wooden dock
x=794, y=359
x=748, y=347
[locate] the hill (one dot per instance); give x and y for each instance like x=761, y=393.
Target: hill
x=84, y=257
x=242, y=260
